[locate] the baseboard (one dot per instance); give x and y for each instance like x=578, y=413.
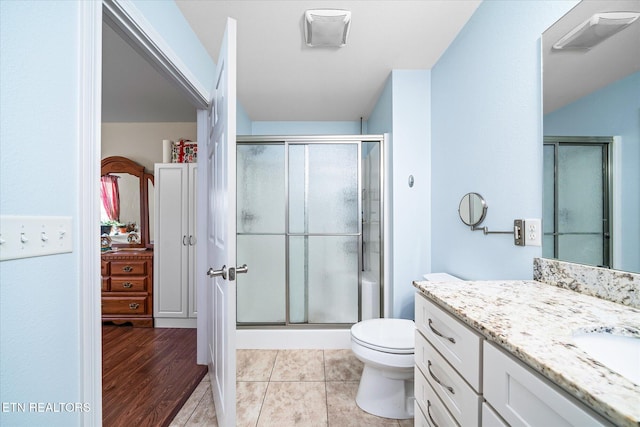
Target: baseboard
x=159, y=322
x=282, y=339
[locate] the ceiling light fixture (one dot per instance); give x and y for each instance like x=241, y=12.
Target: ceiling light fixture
x=326, y=27
x=596, y=29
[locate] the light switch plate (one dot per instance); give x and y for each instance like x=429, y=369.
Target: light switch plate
x=32, y=236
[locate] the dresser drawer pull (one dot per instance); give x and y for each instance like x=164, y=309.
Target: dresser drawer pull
x=435, y=331
x=127, y=268
x=127, y=285
x=429, y=414
x=436, y=379
x=134, y=305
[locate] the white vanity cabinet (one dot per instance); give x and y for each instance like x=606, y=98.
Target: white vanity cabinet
x=461, y=379
x=448, y=382
x=175, y=245
x=523, y=398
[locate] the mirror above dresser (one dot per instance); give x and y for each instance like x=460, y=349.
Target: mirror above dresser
x=127, y=262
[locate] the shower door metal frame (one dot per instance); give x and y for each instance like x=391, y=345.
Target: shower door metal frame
x=306, y=140
x=606, y=143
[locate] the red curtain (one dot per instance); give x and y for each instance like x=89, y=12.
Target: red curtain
x=110, y=196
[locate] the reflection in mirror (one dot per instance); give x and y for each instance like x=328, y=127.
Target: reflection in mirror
x=591, y=95
x=472, y=209
x=124, y=198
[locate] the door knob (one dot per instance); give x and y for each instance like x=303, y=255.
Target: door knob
x=222, y=272
x=237, y=270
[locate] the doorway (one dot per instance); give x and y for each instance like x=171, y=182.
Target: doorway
x=577, y=200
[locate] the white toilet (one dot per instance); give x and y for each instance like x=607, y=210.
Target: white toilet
x=386, y=347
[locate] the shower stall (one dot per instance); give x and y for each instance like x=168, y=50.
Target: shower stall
x=309, y=223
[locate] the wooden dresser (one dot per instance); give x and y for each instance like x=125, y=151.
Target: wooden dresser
x=127, y=287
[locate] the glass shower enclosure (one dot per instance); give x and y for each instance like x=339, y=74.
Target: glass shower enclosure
x=300, y=221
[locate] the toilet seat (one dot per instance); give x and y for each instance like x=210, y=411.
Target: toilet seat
x=394, y=336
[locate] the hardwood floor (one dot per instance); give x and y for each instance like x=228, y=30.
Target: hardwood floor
x=147, y=374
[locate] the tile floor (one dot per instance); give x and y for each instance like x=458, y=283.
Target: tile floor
x=289, y=388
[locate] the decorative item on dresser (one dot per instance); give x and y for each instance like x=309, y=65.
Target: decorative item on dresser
x=127, y=257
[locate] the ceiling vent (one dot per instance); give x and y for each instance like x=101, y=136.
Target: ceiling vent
x=326, y=27
x=596, y=29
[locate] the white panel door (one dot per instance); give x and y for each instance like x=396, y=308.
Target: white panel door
x=221, y=232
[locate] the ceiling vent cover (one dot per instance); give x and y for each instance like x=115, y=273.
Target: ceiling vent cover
x=596, y=29
x=326, y=27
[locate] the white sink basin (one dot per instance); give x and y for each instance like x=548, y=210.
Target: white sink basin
x=617, y=352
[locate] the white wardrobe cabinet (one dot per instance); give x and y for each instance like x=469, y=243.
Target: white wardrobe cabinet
x=174, y=298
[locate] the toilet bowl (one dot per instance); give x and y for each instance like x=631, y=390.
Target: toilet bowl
x=386, y=347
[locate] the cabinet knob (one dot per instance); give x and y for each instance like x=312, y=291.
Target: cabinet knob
x=134, y=305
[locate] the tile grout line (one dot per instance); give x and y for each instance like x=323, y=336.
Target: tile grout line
x=264, y=397
x=326, y=397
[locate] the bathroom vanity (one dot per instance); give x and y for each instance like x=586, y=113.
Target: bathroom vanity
x=500, y=353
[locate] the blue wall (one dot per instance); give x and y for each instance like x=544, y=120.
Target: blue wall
x=306, y=128
x=404, y=111
x=40, y=350
x=39, y=307
x=612, y=111
x=486, y=137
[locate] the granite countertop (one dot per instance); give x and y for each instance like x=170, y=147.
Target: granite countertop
x=535, y=321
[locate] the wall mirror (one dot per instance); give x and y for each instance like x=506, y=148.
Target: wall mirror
x=124, y=202
x=592, y=95
x=472, y=209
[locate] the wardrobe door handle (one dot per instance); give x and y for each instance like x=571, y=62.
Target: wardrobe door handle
x=184, y=240
x=192, y=240
x=436, y=379
x=435, y=331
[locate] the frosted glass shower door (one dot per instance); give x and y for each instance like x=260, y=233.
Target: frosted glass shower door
x=261, y=293
x=324, y=233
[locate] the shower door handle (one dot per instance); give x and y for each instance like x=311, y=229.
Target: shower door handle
x=214, y=273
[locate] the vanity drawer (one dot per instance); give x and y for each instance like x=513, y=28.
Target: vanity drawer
x=459, y=398
x=128, y=305
x=459, y=345
x=490, y=418
x=523, y=398
x=433, y=409
x=129, y=284
x=128, y=268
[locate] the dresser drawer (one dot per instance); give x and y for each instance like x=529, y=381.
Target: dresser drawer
x=104, y=268
x=459, y=398
x=129, y=284
x=459, y=345
x=432, y=408
x=128, y=305
x=128, y=268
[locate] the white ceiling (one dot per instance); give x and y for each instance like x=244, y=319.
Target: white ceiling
x=280, y=78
